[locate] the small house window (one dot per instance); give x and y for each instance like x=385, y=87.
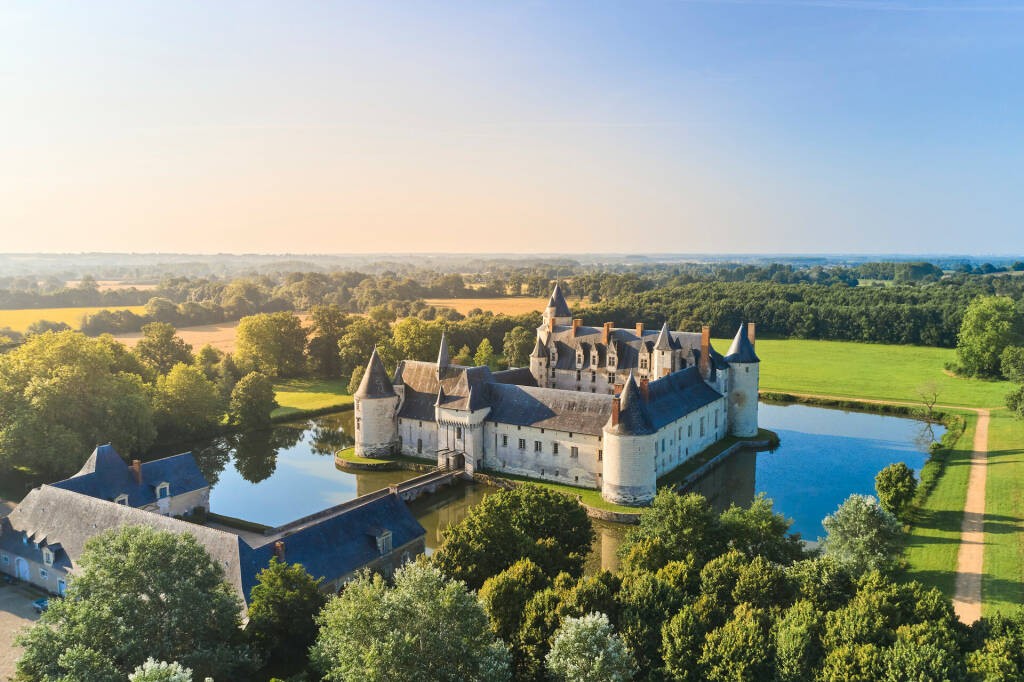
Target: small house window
x=537, y=446
x=121, y=499
x=522, y=443
x=574, y=452
x=163, y=491
x=554, y=448
x=47, y=557
x=43, y=574
x=384, y=542
x=504, y=441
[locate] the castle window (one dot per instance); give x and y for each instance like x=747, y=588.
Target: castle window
x=504, y=441
x=522, y=443
x=593, y=377
x=537, y=446
x=643, y=364
x=600, y=455
x=43, y=575
x=702, y=427
x=359, y=422
x=716, y=419
x=552, y=372
x=689, y=430
x=574, y=452
x=577, y=479
x=384, y=542
x=419, y=446
x=578, y=373
x=554, y=448
x=47, y=557
x=163, y=491
x=458, y=432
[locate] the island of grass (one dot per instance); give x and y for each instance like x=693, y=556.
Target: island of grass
x=348, y=459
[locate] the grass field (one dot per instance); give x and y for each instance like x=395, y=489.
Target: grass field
x=1003, y=583
x=303, y=395
x=19, y=320
x=221, y=336
x=934, y=540
x=516, y=305
x=868, y=371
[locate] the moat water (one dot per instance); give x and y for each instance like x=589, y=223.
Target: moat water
x=275, y=476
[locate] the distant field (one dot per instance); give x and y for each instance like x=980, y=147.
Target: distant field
x=19, y=320
x=516, y=305
x=114, y=285
x=221, y=336
x=866, y=370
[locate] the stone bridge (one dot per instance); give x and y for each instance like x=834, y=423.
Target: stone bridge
x=427, y=483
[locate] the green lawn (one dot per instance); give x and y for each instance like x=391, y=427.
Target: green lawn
x=1003, y=584
x=934, y=540
x=864, y=370
x=349, y=455
x=303, y=395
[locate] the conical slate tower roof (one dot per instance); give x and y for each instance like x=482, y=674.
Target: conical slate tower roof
x=741, y=349
x=633, y=418
x=664, y=341
x=539, y=351
x=443, y=359
x=557, y=301
x=441, y=397
x=375, y=383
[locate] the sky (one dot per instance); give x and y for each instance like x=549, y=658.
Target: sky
x=729, y=126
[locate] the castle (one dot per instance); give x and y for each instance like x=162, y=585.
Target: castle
x=605, y=408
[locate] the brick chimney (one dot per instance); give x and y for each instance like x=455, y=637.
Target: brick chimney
x=136, y=468
x=644, y=391
x=750, y=332
x=705, y=351
x=606, y=334
x=618, y=388
x=279, y=550
x=640, y=329
x=576, y=325
x=615, y=411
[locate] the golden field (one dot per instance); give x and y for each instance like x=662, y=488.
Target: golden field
x=19, y=320
x=516, y=305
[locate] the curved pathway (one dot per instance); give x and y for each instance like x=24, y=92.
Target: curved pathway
x=967, y=593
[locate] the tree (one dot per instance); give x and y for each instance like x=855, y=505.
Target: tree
x=160, y=671
x=740, y=649
x=140, y=593
x=426, y=627
x=252, y=401
x=282, y=612
x=358, y=342
x=160, y=348
x=1015, y=401
x=484, y=356
x=896, y=487
x=682, y=638
x=757, y=530
x=797, y=640
x=327, y=325
x=990, y=324
x=415, y=339
x=504, y=596
x=464, y=358
x=186, y=403
x=862, y=535
x=685, y=526
x=356, y=379
x=61, y=393
x=207, y=359
x=586, y=649
x=517, y=346
x=41, y=326
x=1011, y=364
x=272, y=343
x=528, y=521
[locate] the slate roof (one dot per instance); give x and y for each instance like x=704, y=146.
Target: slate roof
x=375, y=382
x=336, y=541
x=664, y=339
x=443, y=357
x=422, y=386
x=521, y=376
x=51, y=515
x=626, y=342
x=741, y=349
x=329, y=544
x=539, y=350
x=633, y=417
x=106, y=476
x=549, y=408
x=557, y=301
x=677, y=394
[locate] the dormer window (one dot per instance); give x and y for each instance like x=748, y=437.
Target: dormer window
x=122, y=499
x=47, y=557
x=384, y=542
x=163, y=491
x=611, y=360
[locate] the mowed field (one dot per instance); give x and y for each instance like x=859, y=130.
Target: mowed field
x=19, y=320
x=516, y=305
x=868, y=371
x=221, y=336
x=1002, y=585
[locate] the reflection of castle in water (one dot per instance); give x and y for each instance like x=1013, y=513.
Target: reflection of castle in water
x=731, y=482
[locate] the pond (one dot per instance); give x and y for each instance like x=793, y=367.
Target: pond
x=281, y=474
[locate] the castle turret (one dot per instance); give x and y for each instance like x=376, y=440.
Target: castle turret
x=376, y=408
x=539, y=363
x=663, y=356
x=744, y=378
x=629, y=475
x=557, y=312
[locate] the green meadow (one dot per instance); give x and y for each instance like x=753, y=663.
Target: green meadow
x=1002, y=586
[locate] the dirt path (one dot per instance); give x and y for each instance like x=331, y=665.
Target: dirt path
x=967, y=596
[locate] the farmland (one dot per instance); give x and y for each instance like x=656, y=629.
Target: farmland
x=220, y=335
x=515, y=305
x=19, y=320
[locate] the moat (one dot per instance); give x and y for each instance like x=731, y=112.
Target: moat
x=275, y=476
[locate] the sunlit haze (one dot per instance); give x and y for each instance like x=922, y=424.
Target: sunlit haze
x=788, y=126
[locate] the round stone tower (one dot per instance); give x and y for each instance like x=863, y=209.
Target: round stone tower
x=744, y=379
x=628, y=476
x=376, y=408
x=539, y=363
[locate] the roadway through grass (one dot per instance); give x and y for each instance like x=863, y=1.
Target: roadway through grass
x=1002, y=584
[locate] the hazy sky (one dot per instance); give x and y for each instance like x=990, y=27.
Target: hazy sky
x=728, y=126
